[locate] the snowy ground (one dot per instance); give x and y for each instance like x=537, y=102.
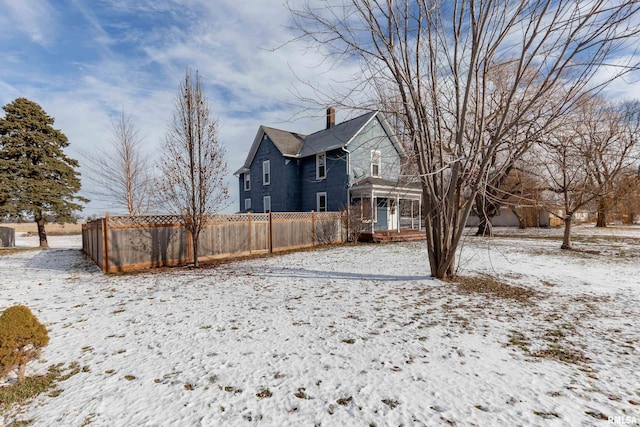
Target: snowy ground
x=342, y=336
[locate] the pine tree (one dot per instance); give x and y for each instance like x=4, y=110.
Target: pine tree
x=36, y=177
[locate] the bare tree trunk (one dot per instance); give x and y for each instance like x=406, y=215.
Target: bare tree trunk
x=602, y=210
x=484, y=227
x=194, y=239
x=522, y=223
x=42, y=234
x=485, y=211
x=566, y=239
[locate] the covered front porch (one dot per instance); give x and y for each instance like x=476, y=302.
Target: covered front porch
x=386, y=206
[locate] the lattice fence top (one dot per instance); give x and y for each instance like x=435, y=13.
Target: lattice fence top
x=322, y=216
x=291, y=215
x=260, y=217
x=137, y=221
x=218, y=218
x=227, y=218
x=168, y=220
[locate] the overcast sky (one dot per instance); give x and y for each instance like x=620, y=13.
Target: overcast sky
x=84, y=61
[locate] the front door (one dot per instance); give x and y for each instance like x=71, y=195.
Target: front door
x=393, y=214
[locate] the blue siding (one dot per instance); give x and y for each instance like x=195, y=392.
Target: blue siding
x=373, y=137
x=293, y=202
x=294, y=186
x=241, y=193
x=283, y=184
x=335, y=184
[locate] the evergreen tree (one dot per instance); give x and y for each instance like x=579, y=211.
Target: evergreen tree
x=36, y=177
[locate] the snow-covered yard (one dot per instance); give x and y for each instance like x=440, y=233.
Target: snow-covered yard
x=343, y=336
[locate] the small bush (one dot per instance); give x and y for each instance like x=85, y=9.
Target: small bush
x=22, y=337
x=353, y=220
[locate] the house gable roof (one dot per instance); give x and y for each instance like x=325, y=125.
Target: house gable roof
x=296, y=145
x=288, y=143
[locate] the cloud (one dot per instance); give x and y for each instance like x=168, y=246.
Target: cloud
x=34, y=18
x=110, y=55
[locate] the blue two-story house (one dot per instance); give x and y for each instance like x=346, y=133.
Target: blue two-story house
x=356, y=161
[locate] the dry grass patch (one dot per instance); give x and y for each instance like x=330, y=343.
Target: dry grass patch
x=488, y=285
x=562, y=354
x=21, y=393
x=52, y=229
x=11, y=251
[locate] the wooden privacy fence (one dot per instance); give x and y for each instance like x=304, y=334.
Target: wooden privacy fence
x=120, y=243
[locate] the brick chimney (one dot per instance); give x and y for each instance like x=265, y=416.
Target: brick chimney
x=331, y=117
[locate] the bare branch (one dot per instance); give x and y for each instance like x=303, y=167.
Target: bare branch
x=120, y=171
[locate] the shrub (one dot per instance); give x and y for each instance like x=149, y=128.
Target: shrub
x=353, y=220
x=22, y=337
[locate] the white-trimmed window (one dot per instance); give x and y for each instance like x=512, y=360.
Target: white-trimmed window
x=266, y=202
x=247, y=204
x=247, y=181
x=321, y=166
x=375, y=163
x=321, y=201
x=266, y=172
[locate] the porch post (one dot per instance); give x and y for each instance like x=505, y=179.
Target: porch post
x=398, y=212
x=373, y=214
x=420, y=213
x=412, y=214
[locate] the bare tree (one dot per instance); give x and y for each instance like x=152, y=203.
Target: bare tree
x=506, y=177
x=629, y=115
x=193, y=162
x=516, y=188
x=584, y=158
x=120, y=171
x=438, y=57
x=626, y=199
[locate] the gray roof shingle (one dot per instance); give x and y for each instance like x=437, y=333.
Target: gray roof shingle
x=289, y=143
x=334, y=137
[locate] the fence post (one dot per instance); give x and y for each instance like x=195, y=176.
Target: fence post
x=105, y=243
x=270, y=233
x=313, y=228
x=250, y=234
x=345, y=223
x=94, y=238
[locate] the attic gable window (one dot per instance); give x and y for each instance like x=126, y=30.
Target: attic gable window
x=375, y=163
x=247, y=181
x=321, y=166
x=266, y=172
